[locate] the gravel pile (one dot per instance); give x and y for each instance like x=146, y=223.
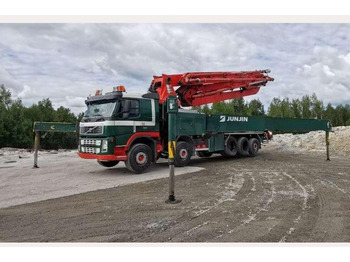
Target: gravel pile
x=315, y=141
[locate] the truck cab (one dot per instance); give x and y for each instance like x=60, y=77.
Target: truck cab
x=120, y=128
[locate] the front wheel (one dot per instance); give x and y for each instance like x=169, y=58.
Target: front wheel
x=139, y=158
x=108, y=163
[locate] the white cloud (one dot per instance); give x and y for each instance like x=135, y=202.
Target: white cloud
x=67, y=62
x=25, y=92
x=328, y=77
x=9, y=81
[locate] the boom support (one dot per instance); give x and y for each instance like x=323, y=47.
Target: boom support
x=196, y=89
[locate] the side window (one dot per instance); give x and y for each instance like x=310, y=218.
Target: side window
x=134, y=109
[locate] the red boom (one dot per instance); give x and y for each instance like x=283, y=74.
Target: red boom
x=196, y=89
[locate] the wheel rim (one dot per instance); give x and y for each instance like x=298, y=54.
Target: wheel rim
x=232, y=146
x=141, y=158
x=183, y=153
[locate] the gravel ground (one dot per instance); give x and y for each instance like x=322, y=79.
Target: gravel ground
x=288, y=193
x=284, y=197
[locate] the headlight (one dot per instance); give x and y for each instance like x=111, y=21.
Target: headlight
x=82, y=149
x=82, y=142
x=104, y=146
x=97, y=151
x=98, y=142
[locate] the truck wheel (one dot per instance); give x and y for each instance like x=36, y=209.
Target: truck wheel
x=204, y=154
x=183, y=154
x=139, y=158
x=231, y=147
x=108, y=163
x=253, y=146
x=243, y=146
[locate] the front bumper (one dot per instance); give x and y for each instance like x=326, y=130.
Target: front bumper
x=103, y=149
x=102, y=157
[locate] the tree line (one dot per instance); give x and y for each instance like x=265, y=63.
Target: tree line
x=309, y=107
x=16, y=120
x=234, y=107
x=16, y=123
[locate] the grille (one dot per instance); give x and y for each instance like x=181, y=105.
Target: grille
x=88, y=142
x=90, y=150
x=91, y=130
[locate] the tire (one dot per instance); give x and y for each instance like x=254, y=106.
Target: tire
x=231, y=147
x=243, y=146
x=253, y=146
x=108, y=163
x=139, y=158
x=183, y=154
x=204, y=154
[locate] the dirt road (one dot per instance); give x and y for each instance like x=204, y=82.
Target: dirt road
x=274, y=197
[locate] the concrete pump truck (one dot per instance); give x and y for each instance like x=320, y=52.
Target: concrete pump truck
x=134, y=129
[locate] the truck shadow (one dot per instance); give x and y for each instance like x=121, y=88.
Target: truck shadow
x=162, y=166
x=199, y=161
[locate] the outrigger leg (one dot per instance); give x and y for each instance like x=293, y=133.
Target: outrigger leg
x=36, y=148
x=327, y=145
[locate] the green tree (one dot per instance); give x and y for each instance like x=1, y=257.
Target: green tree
x=316, y=107
x=296, y=108
x=285, y=108
x=275, y=108
x=221, y=108
x=206, y=109
x=347, y=118
x=16, y=123
x=305, y=107
x=5, y=125
x=329, y=113
x=21, y=134
x=239, y=106
x=256, y=108
x=63, y=114
x=5, y=97
x=342, y=115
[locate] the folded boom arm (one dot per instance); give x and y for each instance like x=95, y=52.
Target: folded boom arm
x=196, y=89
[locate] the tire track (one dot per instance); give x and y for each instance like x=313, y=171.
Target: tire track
x=326, y=182
x=251, y=216
x=237, y=189
x=228, y=194
x=304, y=206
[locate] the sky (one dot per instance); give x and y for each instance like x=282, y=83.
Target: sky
x=68, y=62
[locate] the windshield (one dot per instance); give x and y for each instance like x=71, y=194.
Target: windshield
x=100, y=109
